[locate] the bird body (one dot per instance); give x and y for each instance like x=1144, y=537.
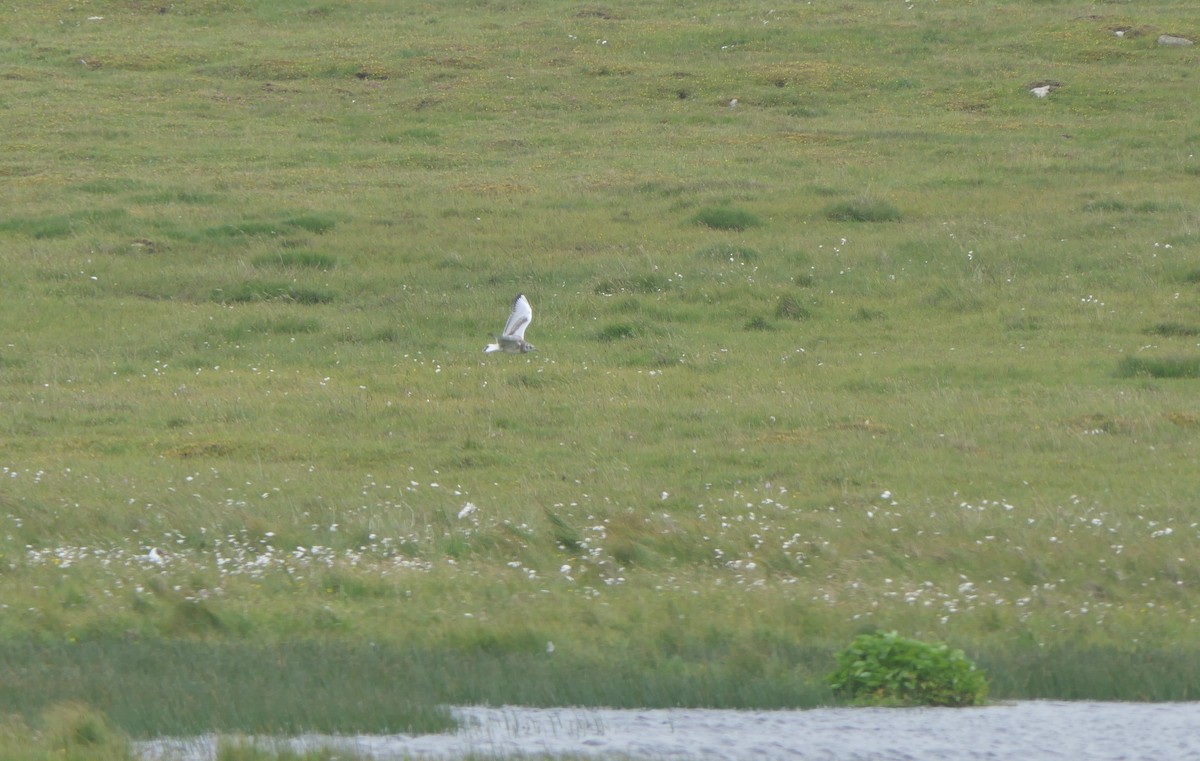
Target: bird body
x=512, y=340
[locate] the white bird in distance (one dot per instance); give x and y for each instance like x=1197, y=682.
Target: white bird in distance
x=512, y=340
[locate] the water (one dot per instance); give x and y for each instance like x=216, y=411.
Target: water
x=1022, y=731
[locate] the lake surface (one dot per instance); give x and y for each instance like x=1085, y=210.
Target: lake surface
x=1021, y=731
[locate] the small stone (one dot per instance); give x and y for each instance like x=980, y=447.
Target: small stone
x=1170, y=39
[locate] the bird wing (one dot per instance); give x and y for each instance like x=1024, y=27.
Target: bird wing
x=520, y=318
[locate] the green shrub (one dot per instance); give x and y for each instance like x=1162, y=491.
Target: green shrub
x=886, y=669
x=726, y=218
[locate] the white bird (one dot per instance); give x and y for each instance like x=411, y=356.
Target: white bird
x=513, y=338
x=1041, y=91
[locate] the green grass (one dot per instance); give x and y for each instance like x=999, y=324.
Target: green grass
x=1160, y=367
x=863, y=210
x=869, y=349
x=68, y=730
x=722, y=218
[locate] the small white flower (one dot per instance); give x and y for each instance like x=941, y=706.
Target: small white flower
x=467, y=509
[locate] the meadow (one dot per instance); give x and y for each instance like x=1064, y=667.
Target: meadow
x=839, y=327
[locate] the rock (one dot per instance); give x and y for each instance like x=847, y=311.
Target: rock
x=1170, y=39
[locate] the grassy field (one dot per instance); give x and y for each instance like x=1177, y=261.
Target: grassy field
x=839, y=327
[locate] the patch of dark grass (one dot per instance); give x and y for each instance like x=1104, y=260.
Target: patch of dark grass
x=866, y=314
x=1192, y=276
x=63, y=225
x=727, y=252
x=1117, y=205
x=759, y=323
x=258, y=290
x=194, y=618
x=865, y=209
x=1023, y=322
x=648, y=283
x=313, y=222
x=726, y=218
x=1173, y=329
x=108, y=186
x=566, y=535
x=248, y=229
x=418, y=134
x=176, y=196
x=953, y=299
x=617, y=331
x=789, y=308
x=55, y=226
x=252, y=228
x=282, y=326
x=1105, y=204
x=1159, y=367
x=73, y=730
x=297, y=260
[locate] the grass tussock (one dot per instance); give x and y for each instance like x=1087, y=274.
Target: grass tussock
x=865, y=209
x=790, y=308
x=618, y=331
x=726, y=218
x=1159, y=367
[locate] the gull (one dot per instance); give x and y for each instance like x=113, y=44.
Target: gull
x=1041, y=92
x=513, y=338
